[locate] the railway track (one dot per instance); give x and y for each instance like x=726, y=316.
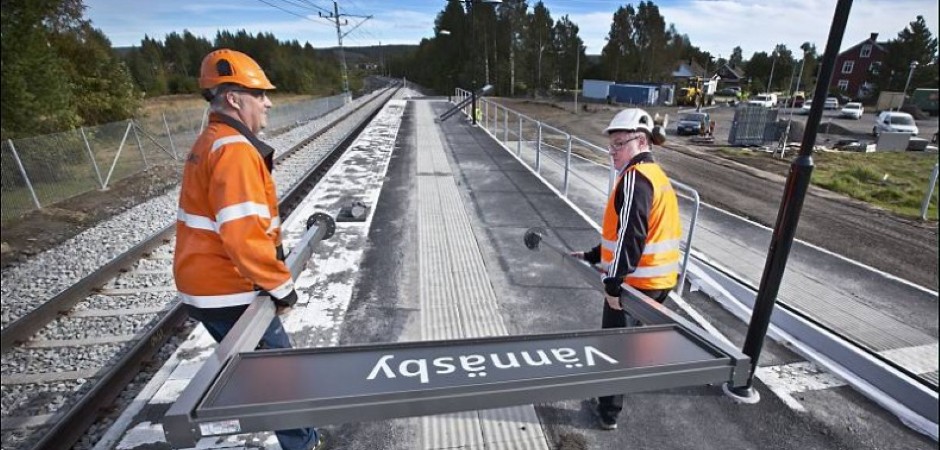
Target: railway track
x=65, y=361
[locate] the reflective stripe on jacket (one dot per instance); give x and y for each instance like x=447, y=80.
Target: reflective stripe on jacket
x=658, y=263
x=227, y=226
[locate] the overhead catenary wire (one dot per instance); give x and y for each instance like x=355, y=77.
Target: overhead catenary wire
x=293, y=13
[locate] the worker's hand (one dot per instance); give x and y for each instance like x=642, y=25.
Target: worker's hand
x=613, y=302
x=287, y=301
x=579, y=255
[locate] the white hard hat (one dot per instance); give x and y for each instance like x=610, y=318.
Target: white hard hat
x=636, y=119
x=631, y=119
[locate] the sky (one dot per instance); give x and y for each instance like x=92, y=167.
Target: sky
x=716, y=26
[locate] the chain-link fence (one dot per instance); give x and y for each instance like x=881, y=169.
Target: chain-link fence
x=41, y=171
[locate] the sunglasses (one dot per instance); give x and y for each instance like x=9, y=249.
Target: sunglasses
x=259, y=94
x=620, y=145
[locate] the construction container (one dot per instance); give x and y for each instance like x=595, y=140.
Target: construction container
x=925, y=99
x=595, y=89
x=634, y=94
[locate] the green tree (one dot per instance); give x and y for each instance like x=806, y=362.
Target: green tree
x=570, y=53
x=35, y=94
x=101, y=84
x=511, y=16
x=914, y=44
x=617, y=57
x=737, y=57
x=539, y=47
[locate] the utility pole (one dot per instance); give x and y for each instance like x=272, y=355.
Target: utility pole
x=335, y=17
x=577, y=74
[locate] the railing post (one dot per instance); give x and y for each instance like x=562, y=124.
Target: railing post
x=505, y=125
x=169, y=136
x=118, y=155
x=91, y=156
x=519, y=142
x=929, y=194
x=538, y=149
x=139, y=145
x=29, y=184
x=567, y=165
x=688, y=242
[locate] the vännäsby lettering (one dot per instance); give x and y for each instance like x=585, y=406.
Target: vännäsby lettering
x=475, y=365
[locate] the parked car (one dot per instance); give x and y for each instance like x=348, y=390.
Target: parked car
x=831, y=103
x=765, y=100
x=731, y=91
x=894, y=122
x=852, y=110
x=806, y=107
x=691, y=123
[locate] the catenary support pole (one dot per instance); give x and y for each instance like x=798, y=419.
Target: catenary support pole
x=789, y=214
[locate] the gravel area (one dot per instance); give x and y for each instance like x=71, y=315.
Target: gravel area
x=53, y=360
x=47, y=274
x=132, y=280
x=155, y=264
x=93, y=327
x=139, y=300
x=24, y=400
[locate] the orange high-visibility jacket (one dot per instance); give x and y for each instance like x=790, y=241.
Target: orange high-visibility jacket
x=658, y=263
x=227, y=227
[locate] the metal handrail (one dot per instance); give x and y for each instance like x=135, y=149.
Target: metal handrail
x=491, y=124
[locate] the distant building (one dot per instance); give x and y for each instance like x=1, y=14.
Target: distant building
x=730, y=75
x=687, y=69
x=857, y=67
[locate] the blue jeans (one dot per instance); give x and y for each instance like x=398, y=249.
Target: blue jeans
x=274, y=337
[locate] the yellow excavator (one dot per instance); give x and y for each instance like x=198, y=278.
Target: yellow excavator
x=698, y=92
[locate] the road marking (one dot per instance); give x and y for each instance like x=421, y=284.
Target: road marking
x=788, y=379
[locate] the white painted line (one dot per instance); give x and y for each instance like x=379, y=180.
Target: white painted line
x=788, y=379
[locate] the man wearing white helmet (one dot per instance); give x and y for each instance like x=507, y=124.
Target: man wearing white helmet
x=641, y=229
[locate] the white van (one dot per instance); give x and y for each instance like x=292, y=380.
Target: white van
x=765, y=100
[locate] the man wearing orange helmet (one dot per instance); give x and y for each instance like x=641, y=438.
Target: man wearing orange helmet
x=228, y=231
x=641, y=230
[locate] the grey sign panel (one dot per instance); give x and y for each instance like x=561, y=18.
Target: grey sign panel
x=280, y=389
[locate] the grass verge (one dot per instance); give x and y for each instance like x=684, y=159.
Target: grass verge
x=896, y=181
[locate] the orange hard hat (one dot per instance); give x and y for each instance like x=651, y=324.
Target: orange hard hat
x=230, y=66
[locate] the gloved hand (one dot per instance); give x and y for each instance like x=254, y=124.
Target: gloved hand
x=286, y=301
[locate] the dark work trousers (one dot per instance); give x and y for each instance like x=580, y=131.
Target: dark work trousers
x=610, y=406
x=274, y=337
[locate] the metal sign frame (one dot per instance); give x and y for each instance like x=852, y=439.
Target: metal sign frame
x=195, y=414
